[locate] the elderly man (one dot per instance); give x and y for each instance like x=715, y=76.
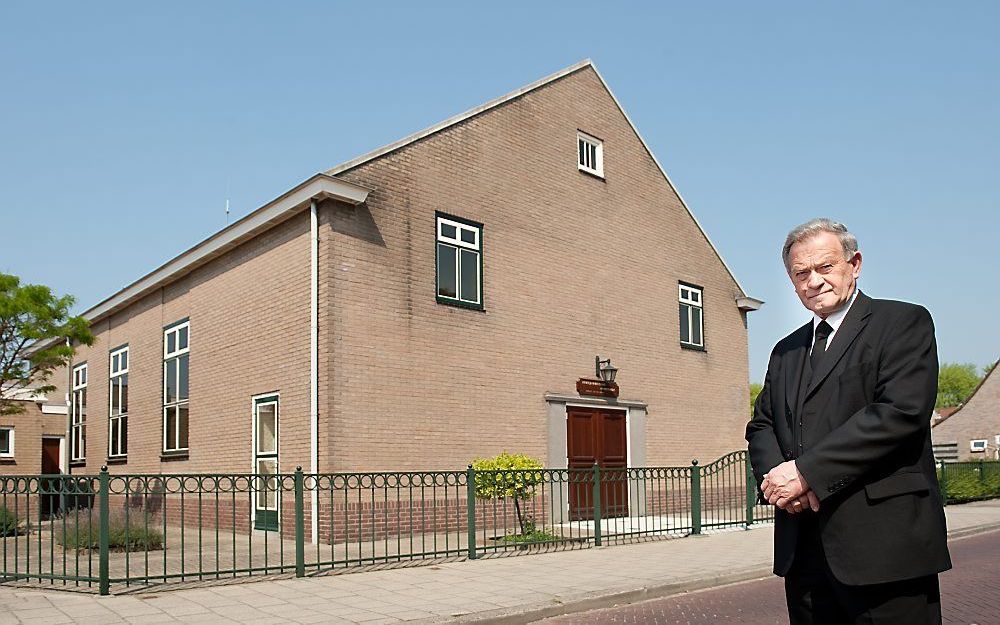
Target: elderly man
x=840, y=443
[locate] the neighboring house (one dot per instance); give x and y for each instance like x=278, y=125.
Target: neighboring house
x=32, y=441
x=428, y=303
x=971, y=431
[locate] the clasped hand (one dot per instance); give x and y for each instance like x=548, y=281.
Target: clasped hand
x=785, y=488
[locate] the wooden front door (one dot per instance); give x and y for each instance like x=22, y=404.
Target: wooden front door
x=50, y=466
x=597, y=435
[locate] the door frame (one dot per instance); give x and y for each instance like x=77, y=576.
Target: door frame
x=255, y=401
x=62, y=463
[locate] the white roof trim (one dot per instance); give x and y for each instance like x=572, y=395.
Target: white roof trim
x=451, y=121
x=749, y=303
x=392, y=147
x=320, y=186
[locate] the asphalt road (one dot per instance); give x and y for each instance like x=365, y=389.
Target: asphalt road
x=970, y=594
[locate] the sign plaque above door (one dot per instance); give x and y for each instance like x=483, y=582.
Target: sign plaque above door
x=596, y=388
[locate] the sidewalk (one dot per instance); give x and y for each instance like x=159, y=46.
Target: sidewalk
x=513, y=589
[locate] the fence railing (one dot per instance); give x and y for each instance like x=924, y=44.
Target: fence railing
x=99, y=531
x=969, y=481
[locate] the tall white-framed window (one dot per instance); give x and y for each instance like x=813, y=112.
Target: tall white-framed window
x=6, y=442
x=590, y=152
x=176, y=348
x=118, y=403
x=977, y=445
x=459, y=261
x=78, y=416
x=692, y=315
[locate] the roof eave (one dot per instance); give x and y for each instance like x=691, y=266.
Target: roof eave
x=321, y=186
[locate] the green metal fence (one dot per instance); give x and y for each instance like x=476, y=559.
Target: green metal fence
x=103, y=531
x=969, y=481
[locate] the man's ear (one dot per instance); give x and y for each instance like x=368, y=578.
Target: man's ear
x=856, y=263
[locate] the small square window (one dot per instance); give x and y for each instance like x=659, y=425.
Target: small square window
x=977, y=445
x=590, y=153
x=6, y=442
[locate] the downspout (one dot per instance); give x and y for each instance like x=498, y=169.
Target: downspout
x=67, y=448
x=314, y=367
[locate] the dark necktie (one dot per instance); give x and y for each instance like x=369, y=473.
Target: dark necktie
x=823, y=331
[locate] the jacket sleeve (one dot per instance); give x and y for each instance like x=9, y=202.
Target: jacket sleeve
x=765, y=453
x=905, y=390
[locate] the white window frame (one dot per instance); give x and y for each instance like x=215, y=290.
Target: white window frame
x=459, y=244
x=10, y=441
x=589, y=154
x=173, y=358
x=693, y=298
x=78, y=416
x=978, y=445
x=118, y=362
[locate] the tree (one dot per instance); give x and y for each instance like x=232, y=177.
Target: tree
x=755, y=390
x=509, y=476
x=955, y=383
x=29, y=314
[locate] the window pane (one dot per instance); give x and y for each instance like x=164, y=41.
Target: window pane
x=115, y=397
x=182, y=379
x=447, y=274
x=113, y=438
x=470, y=276
x=685, y=325
x=267, y=429
x=170, y=425
x=124, y=360
x=267, y=496
x=447, y=230
x=124, y=435
x=124, y=386
x=182, y=426
x=182, y=338
x=83, y=405
x=170, y=381
x=581, y=146
x=4, y=441
x=696, y=326
x=468, y=236
x=171, y=342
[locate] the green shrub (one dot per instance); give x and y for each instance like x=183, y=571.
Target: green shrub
x=963, y=482
x=137, y=534
x=10, y=525
x=508, y=476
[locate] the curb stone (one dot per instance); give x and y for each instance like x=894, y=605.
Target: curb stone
x=537, y=612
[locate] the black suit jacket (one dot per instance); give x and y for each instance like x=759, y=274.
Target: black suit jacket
x=859, y=430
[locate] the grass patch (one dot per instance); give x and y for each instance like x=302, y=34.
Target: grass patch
x=84, y=533
x=10, y=525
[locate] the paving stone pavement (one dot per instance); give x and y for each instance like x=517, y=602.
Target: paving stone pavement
x=514, y=589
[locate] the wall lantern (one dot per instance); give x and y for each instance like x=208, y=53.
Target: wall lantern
x=604, y=370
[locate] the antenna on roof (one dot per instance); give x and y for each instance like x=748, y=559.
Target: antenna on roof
x=227, y=201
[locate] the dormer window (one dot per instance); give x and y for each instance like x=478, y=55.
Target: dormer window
x=591, y=154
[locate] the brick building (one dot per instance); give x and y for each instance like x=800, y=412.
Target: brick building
x=430, y=302
x=972, y=431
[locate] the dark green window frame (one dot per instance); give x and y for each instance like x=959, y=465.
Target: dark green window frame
x=457, y=243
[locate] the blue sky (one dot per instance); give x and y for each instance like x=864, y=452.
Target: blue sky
x=124, y=126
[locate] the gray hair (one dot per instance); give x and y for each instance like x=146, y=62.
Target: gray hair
x=815, y=226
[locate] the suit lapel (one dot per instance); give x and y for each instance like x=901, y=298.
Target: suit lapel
x=853, y=324
x=795, y=361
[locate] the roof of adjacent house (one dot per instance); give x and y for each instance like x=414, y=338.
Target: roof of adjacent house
x=327, y=185
x=953, y=411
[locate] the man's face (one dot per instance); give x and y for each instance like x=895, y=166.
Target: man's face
x=823, y=280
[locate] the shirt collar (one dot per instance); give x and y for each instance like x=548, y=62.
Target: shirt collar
x=838, y=317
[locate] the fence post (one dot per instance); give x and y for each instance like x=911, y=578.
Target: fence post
x=982, y=474
x=695, y=497
x=943, y=483
x=300, y=530
x=597, y=505
x=470, y=479
x=104, y=584
x=751, y=493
